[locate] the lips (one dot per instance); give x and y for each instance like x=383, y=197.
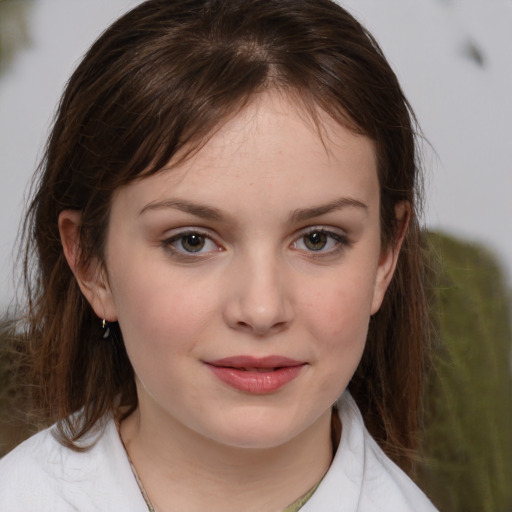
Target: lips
x=256, y=375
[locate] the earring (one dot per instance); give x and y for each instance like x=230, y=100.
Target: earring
x=105, y=327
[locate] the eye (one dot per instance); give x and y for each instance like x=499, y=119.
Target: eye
x=315, y=241
x=320, y=241
x=191, y=242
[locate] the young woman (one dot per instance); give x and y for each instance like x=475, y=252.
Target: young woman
x=226, y=308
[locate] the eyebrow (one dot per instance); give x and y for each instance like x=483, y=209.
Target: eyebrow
x=303, y=214
x=199, y=210
x=207, y=212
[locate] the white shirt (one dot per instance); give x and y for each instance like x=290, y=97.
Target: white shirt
x=41, y=475
x=362, y=478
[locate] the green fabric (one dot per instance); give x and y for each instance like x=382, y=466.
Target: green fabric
x=298, y=504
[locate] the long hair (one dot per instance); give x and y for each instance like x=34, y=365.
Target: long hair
x=162, y=79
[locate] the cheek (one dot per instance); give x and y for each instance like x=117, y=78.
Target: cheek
x=343, y=348
x=345, y=326
x=343, y=307
x=338, y=320
x=156, y=308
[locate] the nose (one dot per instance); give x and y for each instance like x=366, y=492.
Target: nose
x=259, y=296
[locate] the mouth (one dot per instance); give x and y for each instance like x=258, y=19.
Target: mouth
x=260, y=370
x=256, y=375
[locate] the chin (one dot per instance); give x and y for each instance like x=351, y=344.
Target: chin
x=257, y=440
x=258, y=432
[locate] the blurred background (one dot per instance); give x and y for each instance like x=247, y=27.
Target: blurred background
x=454, y=61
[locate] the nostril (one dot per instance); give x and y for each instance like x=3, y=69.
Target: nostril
x=250, y=314
x=279, y=326
x=246, y=327
x=262, y=330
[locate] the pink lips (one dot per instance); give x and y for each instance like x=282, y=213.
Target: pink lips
x=256, y=375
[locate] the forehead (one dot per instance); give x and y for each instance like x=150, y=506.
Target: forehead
x=273, y=149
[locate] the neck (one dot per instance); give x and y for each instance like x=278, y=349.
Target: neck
x=182, y=470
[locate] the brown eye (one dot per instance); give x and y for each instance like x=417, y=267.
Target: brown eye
x=192, y=242
x=321, y=241
x=315, y=241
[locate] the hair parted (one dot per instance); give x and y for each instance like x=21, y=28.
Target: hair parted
x=160, y=81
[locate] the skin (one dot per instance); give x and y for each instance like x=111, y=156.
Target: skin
x=269, y=186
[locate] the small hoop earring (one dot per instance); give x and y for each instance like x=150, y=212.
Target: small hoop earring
x=105, y=326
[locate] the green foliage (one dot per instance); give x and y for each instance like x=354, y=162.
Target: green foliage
x=14, y=33
x=468, y=436
x=15, y=425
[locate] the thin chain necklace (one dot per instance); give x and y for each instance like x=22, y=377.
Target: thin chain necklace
x=150, y=506
x=294, y=507
x=300, y=502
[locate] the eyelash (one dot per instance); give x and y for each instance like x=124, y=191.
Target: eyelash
x=341, y=243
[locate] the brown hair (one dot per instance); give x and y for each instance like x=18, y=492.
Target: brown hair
x=163, y=78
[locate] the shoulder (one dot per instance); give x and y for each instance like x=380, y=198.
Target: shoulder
x=24, y=468
x=362, y=478
x=29, y=474
x=41, y=474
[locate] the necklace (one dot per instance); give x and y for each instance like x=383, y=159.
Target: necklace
x=293, y=507
x=150, y=506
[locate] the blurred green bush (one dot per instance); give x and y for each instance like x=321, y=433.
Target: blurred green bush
x=14, y=427
x=468, y=426
x=14, y=29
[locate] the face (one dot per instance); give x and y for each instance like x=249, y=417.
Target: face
x=243, y=280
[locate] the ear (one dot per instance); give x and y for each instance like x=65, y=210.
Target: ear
x=389, y=255
x=90, y=276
